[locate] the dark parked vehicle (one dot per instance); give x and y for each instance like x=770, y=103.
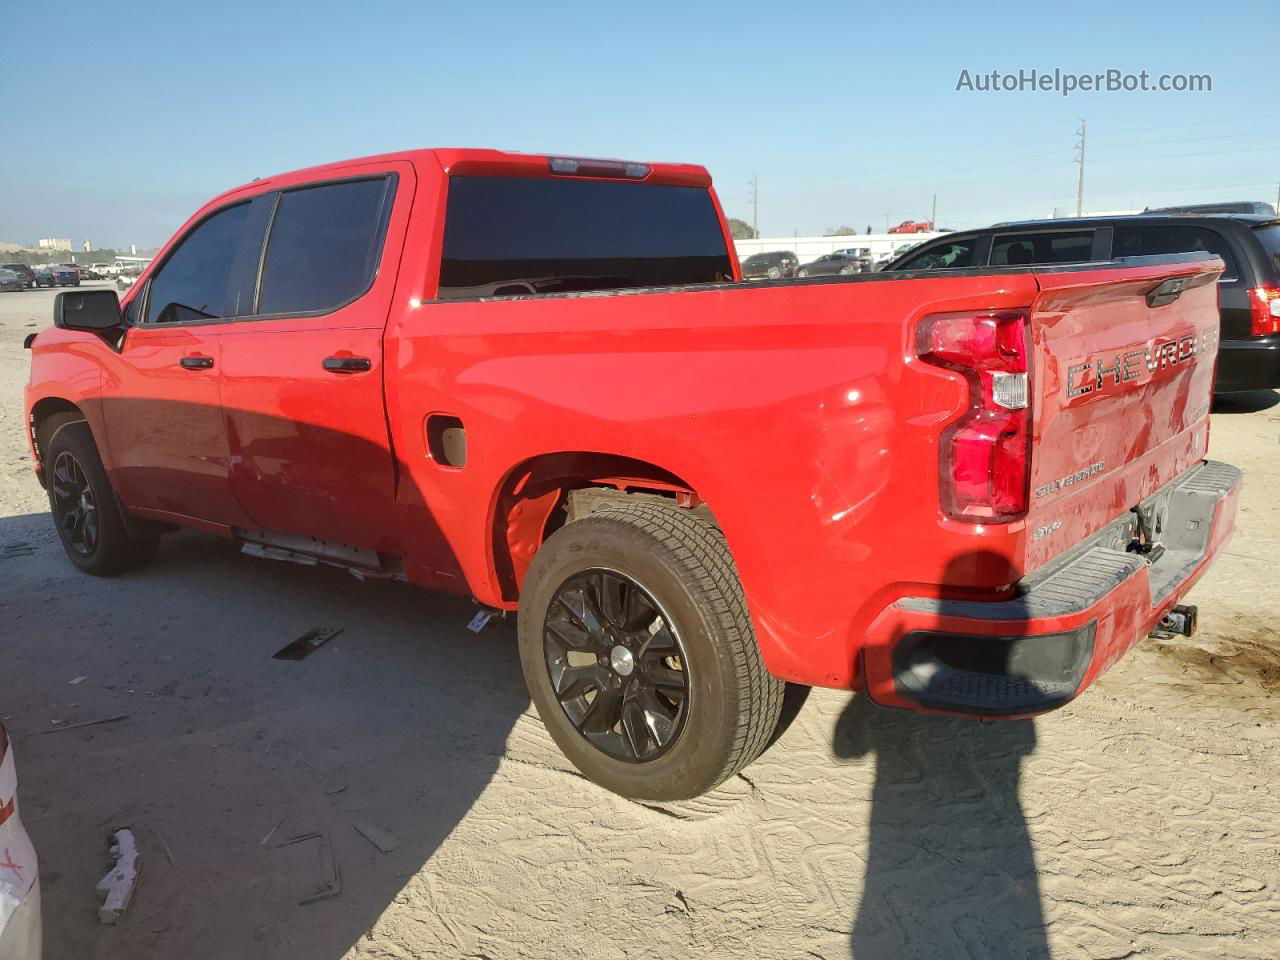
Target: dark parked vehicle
x=1248, y=290
x=60, y=276
x=835, y=263
x=44, y=277
x=775, y=264
x=21, y=269
x=11, y=281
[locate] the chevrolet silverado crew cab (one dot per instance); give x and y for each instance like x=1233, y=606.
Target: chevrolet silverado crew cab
x=540, y=382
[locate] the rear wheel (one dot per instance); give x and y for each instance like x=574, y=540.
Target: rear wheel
x=85, y=512
x=845, y=271
x=639, y=654
x=774, y=273
x=802, y=272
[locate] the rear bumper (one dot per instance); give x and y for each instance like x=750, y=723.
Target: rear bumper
x=1248, y=364
x=1069, y=623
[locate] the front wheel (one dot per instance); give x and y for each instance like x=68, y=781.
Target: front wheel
x=802, y=273
x=845, y=271
x=84, y=507
x=774, y=273
x=639, y=653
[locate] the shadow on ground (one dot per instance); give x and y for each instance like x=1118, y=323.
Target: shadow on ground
x=949, y=865
x=393, y=728
x=1250, y=401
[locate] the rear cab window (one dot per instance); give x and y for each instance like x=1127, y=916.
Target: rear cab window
x=514, y=236
x=1153, y=239
x=1024, y=249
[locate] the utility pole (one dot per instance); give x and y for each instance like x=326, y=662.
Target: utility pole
x=1278, y=196
x=1080, y=160
x=933, y=217
x=755, y=206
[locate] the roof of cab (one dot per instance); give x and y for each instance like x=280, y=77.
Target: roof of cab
x=479, y=161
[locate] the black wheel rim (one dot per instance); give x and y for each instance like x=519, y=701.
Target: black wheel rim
x=74, y=508
x=617, y=665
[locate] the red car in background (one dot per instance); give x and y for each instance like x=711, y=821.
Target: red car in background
x=913, y=226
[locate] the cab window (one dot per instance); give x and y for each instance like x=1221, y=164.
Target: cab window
x=199, y=280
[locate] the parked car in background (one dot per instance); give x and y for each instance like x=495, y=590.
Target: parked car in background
x=10, y=281
x=832, y=264
x=104, y=270
x=893, y=254
x=913, y=226
x=774, y=265
x=21, y=269
x=20, y=937
x=62, y=275
x=44, y=277
x=1248, y=291
x=125, y=279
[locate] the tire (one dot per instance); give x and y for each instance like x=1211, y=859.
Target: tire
x=845, y=271
x=669, y=613
x=802, y=273
x=774, y=273
x=85, y=510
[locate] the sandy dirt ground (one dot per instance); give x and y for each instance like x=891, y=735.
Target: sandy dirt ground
x=1141, y=821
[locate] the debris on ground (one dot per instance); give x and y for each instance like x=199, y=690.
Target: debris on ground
x=330, y=884
x=86, y=723
x=118, y=885
x=307, y=644
x=384, y=840
x=76, y=681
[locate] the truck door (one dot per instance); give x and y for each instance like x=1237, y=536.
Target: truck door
x=161, y=401
x=302, y=378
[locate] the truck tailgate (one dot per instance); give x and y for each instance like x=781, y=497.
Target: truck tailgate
x=1122, y=382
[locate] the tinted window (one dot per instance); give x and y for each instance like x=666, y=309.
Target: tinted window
x=324, y=246
x=1152, y=239
x=1269, y=237
x=510, y=236
x=1021, y=249
x=953, y=253
x=757, y=260
x=199, y=281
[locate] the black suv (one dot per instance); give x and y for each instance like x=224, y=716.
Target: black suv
x=21, y=269
x=1248, y=291
x=774, y=264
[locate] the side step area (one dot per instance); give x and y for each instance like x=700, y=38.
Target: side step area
x=310, y=551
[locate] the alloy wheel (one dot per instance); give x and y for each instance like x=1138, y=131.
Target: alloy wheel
x=75, y=508
x=617, y=665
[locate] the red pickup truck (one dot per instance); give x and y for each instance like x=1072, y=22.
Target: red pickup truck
x=539, y=381
x=913, y=226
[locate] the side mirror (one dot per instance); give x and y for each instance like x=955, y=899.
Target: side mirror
x=91, y=310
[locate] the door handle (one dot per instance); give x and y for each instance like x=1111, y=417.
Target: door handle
x=347, y=364
x=197, y=363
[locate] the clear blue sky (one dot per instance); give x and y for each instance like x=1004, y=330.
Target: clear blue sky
x=122, y=117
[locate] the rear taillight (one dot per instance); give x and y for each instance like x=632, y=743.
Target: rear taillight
x=1264, y=310
x=985, y=458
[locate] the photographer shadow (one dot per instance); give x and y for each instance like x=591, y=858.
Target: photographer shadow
x=950, y=870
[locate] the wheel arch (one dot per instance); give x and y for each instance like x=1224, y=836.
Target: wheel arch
x=531, y=501
x=47, y=414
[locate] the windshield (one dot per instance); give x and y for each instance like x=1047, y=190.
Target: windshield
x=512, y=236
